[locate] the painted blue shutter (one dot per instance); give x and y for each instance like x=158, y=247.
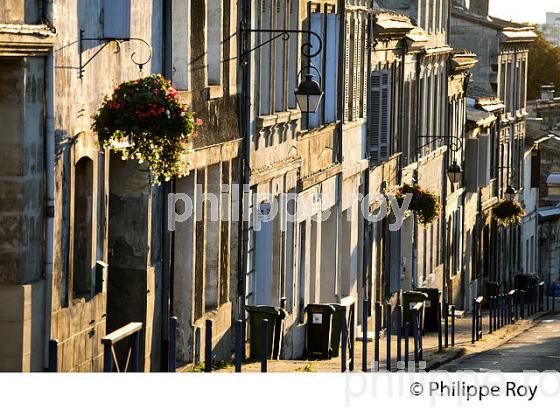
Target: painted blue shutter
x=317, y=62
x=116, y=19
x=330, y=75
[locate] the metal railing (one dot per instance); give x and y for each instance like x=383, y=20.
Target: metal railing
x=131, y=332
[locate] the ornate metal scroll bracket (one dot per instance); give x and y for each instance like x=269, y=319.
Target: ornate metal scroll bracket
x=106, y=42
x=308, y=49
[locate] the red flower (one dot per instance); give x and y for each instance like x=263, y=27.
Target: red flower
x=172, y=92
x=199, y=122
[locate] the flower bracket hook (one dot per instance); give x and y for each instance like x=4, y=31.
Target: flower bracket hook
x=106, y=41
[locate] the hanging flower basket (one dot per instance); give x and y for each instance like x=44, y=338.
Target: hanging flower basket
x=145, y=120
x=508, y=212
x=424, y=204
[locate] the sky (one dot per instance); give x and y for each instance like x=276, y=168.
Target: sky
x=531, y=11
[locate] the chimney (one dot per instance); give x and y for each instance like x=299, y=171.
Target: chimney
x=480, y=7
x=547, y=92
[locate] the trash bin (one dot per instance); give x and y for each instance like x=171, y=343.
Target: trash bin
x=275, y=318
x=430, y=308
x=319, y=327
x=524, y=282
x=409, y=299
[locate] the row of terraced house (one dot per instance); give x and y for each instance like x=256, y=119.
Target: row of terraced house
x=419, y=92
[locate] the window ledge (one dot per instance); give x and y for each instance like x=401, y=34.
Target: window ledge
x=267, y=121
x=213, y=92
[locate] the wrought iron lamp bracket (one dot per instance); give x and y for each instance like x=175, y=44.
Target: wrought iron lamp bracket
x=106, y=41
x=455, y=143
x=306, y=47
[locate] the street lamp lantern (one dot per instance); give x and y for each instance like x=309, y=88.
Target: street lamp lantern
x=309, y=94
x=454, y=172
x=511, y=192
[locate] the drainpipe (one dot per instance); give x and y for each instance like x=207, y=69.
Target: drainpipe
x=49, y=10
x=244, y=104
x=167, y=188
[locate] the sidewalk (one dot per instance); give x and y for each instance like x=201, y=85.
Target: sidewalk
x=432, y=358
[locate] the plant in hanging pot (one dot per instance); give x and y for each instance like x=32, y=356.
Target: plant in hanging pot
x=508, y=212
x=145, y=120
x=424, y=204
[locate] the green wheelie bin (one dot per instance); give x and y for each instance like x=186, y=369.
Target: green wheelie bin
x=275, y=317
x=319, y=327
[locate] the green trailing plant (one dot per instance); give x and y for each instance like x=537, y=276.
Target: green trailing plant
x=424, y=204
x=508, y=212
x=145, y=120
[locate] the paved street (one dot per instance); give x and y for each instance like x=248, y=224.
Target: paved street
x=538, y=348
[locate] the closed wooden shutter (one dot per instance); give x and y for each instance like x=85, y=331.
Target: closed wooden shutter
x=331, y=68
x=317, y=62
x=347, y=77
x=380, y=115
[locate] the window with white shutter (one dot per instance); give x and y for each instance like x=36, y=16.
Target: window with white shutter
x=214, y=41
x=380, y=115
x=330, y=75
x=326, y=62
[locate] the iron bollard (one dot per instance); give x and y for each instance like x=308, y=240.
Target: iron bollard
x=474, y=315
x=172, y=364
x=238, y=345
x=452, y=325
x=352, y=336
x=388, y=330
x=364, y=334
x=406, y=344
x=491, y=314
x=378, y=308
x=344, y=342
x=264, y=345
x=502, y=310
x=399, y=332
x=553, y=296
x=53, y=356
x=416, y=341
x=522, y=301
x=446, y=312
x=438, y=318
x=208, y=347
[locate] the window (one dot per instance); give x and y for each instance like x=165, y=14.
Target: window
x=380, y=115
x=116, y=19
x=214, y=27
x=83, y=228
x=181, y=43
x=277, y=62
x=301, y=276
x=326, y=25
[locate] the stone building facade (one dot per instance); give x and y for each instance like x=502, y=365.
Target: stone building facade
x=72, y=218
x=502, y=50
x=87, y=246
x=206, y=261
